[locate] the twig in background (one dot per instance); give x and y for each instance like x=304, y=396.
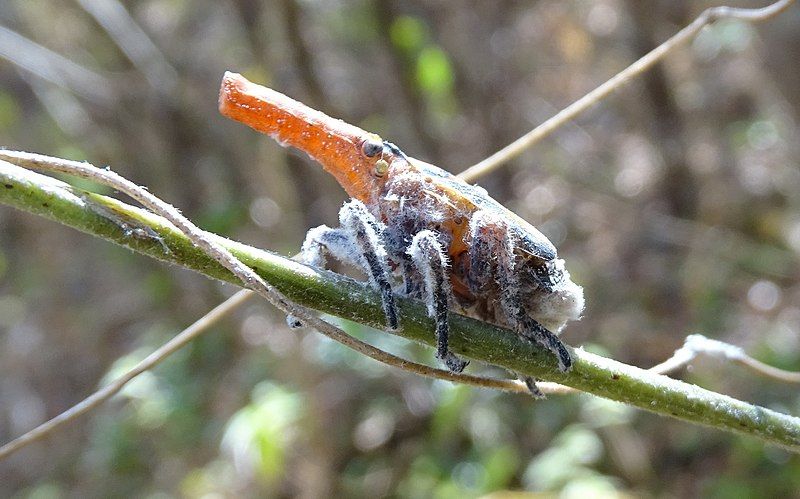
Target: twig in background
x=111, y=389
x=697, y=344
x=55, y=68
x=134, y=42
x=708, y=16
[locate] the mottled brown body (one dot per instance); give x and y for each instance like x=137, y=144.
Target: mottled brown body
x=499, y=267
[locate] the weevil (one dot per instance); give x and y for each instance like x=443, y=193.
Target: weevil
x=420, y=231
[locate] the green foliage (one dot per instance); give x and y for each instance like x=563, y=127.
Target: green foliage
x=408, y=34
x=569, y=459
x=9, y=111
x=434, y=73
x=260, y=434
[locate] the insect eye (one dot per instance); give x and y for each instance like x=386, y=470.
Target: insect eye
x=381, y=167
x=371, y=147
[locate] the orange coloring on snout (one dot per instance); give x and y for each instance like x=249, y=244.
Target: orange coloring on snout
x=338, y=146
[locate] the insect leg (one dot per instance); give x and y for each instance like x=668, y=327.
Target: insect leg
x=318, y=244
x=493, y=241
x=526, y=326
x=357, y=243
x=430, y=259
x=530, y=382
x=366, y=232
x=321, y=241
x=532, y=330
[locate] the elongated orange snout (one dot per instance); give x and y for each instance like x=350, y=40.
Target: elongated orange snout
x=355, y=157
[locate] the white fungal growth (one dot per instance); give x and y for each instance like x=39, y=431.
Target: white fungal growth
x=426, y=252
x=364, y=239
x=351, y=244
x=509, y=273
x=565, y=303
x=312, y=251
x=552, y=308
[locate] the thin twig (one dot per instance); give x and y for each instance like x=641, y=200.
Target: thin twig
x=679, y=359
x=189, y=334
x=708, y=16
x=693, y=346
x=247, y=276
x=343, y=297
x=134, y=42
x=111, y=389
x=55, y=68
x=490, y=163
x=696, y=344
x=253, y=281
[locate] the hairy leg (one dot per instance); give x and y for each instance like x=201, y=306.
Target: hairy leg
x=532, y=330
x=431, y=261
x=492, y=241
x=357, y=242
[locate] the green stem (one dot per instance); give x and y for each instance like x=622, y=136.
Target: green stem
x=337, y=295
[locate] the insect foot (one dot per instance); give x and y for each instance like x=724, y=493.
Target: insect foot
x=430, y=260
x=293, y=322
x=532, y=388
x=357, y=243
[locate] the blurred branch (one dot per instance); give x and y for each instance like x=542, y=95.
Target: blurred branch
x=111, y=389
x=402, y=65
x=697, y=344
x=709, y=16
x=716, y=241
x=54, y=67
x=343, y=297
x=63, y=106
x=134, y=42
x=304, y=57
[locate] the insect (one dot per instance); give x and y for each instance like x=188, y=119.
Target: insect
x=417, y=230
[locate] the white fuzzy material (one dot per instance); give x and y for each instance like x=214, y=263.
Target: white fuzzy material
x=421, y=256
x=565, y=303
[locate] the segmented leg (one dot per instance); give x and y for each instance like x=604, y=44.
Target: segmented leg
x=430, y=260
x=494, y=242
x=532, y=330
x=357, y=242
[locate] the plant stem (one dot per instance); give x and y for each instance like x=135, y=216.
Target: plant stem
x=327, y=292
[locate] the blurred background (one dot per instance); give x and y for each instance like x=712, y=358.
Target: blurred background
x=676, y=204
